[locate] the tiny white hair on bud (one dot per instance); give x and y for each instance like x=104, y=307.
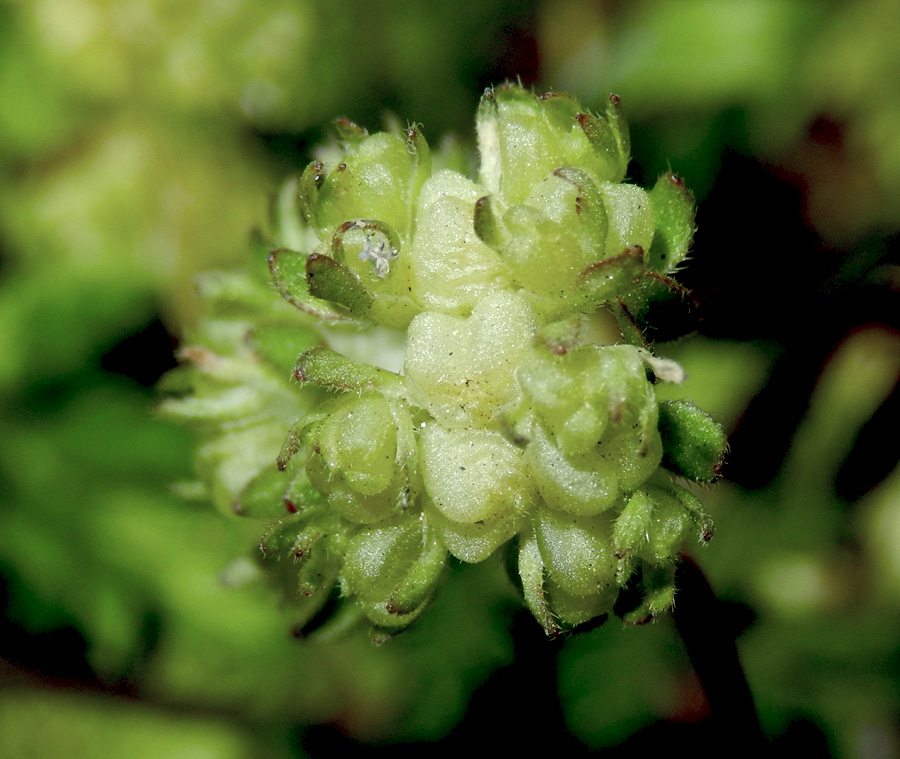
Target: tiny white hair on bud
x=665, y=369
x=380, y=254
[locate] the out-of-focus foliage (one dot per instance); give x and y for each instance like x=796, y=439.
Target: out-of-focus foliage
x=138, y=141
x=809, y=85
x=54, y=725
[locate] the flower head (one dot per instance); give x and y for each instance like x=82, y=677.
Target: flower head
x=508, y=422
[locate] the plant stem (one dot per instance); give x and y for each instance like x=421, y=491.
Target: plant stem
x=713, y=652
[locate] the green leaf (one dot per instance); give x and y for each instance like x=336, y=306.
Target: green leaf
x=577, y=552
x=631, y=330
x=301, y=495
x=569, y=197
x=394, y=571
x=418, y=584
x=298, y=439
x=288, y=537
x=600, y=133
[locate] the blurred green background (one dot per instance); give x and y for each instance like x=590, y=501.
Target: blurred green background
x=140, y=141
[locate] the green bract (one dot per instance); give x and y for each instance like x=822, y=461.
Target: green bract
x=449, y=397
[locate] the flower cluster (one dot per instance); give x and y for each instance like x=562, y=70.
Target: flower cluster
x=505, y=421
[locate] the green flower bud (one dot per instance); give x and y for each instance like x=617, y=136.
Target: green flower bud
x=304, y=553
x=356, y=460
x=553, y=605
x=364, y=186
x=559, y=231
x=394, y=570
x=589, y=489
x=272, y=493
x=478, y=488
x=523, y=138
x=694, y=444
x=577, y=551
